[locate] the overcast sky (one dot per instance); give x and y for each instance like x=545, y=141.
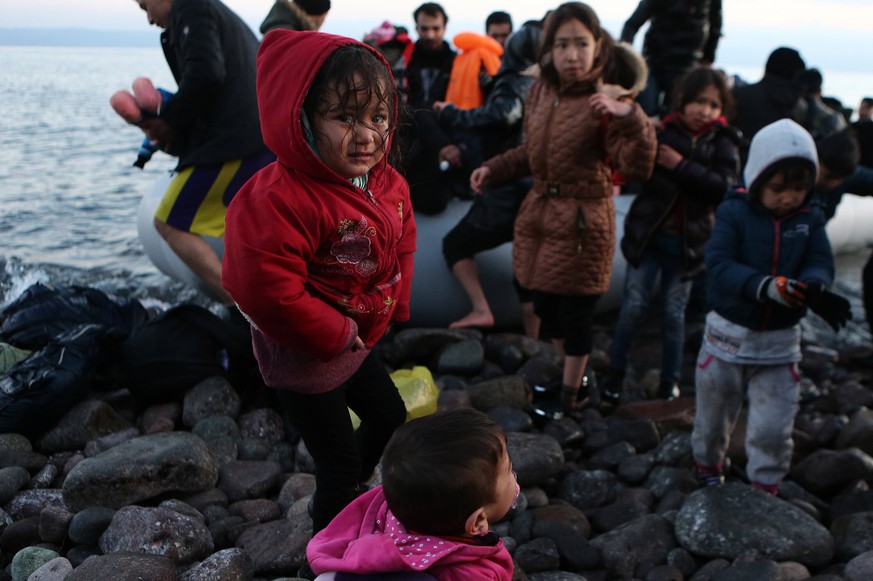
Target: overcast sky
x=829, y=33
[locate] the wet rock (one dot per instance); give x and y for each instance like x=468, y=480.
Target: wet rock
x=646, y=539
x=125, y=567
x=207, y=498
x=762, y=570
x=157, y=531
x=509, y=390
x=540, y=370
x=30, y=461
x=853, y=535
x=12, y=479
x=226, y=565
x=858, y=433
x=252, y=449
x=182, y=508
x=241, y=479
x=714, y=522
x=587, y=489
x=160, y=418
x=683, y=561
x=540, y=554
x=55, y=570
x=641, y=434
x=20, y=534
x=28, y=560
x=217, y=427
x=211, y=397
x=296, y=487
x=569, y=529
x=29, y=503
x=86, y=421
x=511, y=419
x=103, y=443
x=566, y=431
x=54, y=524
x=87, y=525
x=610, y=457
x=664, y=479
x=422, y=345
x=635, y=469
x=15, y=443
x=827, y=471
x=860, y=567
x=45, y=478
x=462, y=358
x=276, y=548
x=262, y=424
x=618, y=513
x=166, y=462
x=259, y=510
x=535, y=457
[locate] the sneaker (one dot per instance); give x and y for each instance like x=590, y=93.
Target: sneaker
x=668, y=390
x=772, y=489
x=709, y=475
x=612, y=385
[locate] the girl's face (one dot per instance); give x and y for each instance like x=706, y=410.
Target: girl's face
x=507, y=490
x=702, y=110
x=351, y=140
x=782, y=197
x=574, y=51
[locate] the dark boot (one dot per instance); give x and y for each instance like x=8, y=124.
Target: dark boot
x=610, y=391
x=668, y=390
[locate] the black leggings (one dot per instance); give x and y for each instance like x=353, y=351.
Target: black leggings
x=567, y=317
x=344, y=458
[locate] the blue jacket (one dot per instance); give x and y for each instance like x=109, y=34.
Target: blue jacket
x=748, y=244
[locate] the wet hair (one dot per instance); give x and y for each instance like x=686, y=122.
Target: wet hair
x=349, y=71
x=431, y=9
x=564, y=13
x=692, y=84
x=439, y=469
x=839, y=154
x=499, y=17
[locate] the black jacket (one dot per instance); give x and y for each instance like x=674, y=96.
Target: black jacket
x=770, y=99
x=214, y=115
x=687, y=195
x=681, y=32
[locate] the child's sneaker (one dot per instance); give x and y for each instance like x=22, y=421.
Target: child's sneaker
x=772, y=489
x=709, y=475
x=668, y=390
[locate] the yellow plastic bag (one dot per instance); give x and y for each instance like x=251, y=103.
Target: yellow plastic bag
x=418, y=390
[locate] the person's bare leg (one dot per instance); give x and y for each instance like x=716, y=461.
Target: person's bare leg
x=467, y=273
x=198, y=255
x=530, y=321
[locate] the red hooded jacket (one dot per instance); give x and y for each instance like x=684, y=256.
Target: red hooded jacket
x=311, y=259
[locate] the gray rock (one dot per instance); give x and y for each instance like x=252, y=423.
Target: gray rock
x=297, y=486
x=30, y=461
x=226, y=565
x=276, y=548
x=714, y=522
x=86, y=421
x=54, y=524
x=213, y=396
x=538, y=555
x=182, y=508
x=262, y=424
x=682, y=560
x=827, y=471
x=511, y=419
x=462, y=358
x=217, y=427
x=160, y=418
x=762, y=570
x=791, y=571
x=157, y=531
x=509, y=390
x=12, y=479
x=860, y=567
x=15, y=443
x=226, y=531
x=858, y=433
x=45, y=478
x=646, y=539
x=31, y=502
x=223, y=449
x=87, y=525
x=618, y=513
x=422, y=345
x=642, y=434
x=103, y=443
x=587, y=489
x=569, y=529
x=20, y=534
x=709, y=570
x=566, y=431
x=610, y=457
x=252, y=449
x=165, y=462
x=853, y=535
x=258, y=510
x=28, y=560
x=664, y=479
x=125, y=567
x=674, y=448
x=283, y=454
x=635, y=469
x=202, y=500
x=664, y=573
x=540, y=370
x=556, y=576
x=535, y=457
x=55, y=570
x=242, y=479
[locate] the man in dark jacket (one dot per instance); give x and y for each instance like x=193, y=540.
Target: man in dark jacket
x=296, y=15
x=427, y=77
x=211, y=125
x=682, y=34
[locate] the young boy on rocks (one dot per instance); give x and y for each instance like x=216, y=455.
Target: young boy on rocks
x=768, y=259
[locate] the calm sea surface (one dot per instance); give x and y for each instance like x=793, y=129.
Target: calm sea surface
x=68, y=193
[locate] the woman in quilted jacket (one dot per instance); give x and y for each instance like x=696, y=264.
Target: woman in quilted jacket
x=564, y=235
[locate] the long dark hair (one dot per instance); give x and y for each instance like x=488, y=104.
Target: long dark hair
x=353, y=70
x=696, y=81
x=563, y=13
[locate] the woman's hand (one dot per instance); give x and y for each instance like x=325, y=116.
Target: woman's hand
x=668, y=157
x=478, y=178
x=603, y=105
x=451, y=154
x=438, y=106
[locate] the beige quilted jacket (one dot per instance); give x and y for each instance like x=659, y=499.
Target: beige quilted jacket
x=565, y=230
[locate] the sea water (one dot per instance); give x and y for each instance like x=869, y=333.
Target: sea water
x=70, y=194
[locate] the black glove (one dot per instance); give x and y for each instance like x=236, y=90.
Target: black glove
x=833, y=308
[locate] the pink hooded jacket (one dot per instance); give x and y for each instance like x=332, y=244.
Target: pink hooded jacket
x=366, y=538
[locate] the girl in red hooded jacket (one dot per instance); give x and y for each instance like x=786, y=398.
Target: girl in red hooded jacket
x=318, y=251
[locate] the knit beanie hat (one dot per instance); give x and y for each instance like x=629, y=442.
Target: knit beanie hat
x=785, y=63
x=773, y=147
x=314, y=7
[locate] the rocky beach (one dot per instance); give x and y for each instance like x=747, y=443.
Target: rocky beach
x=213, y=485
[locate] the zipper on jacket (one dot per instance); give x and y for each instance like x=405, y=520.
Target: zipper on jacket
x=370, y=197
x=580, y=228
x=777, y=240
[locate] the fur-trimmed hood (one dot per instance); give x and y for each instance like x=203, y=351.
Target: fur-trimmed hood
x=626, y=73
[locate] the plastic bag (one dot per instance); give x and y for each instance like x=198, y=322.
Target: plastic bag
x=418, y=390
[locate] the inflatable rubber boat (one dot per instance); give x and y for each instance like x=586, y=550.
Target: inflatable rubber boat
x=438, y=298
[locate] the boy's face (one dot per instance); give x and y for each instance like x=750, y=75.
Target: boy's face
x=499, y=32
x=507, y=490
x=158, y=11
x=781, y=197
x=431, y=30
x=351, y=141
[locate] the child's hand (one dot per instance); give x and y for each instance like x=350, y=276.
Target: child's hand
x=478, y=178
x=603, y=105
x=438, y=106
x=451, y=154
x=668, y=157
x=786, y=291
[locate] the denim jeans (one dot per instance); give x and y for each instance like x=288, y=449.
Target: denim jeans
x=639, y=291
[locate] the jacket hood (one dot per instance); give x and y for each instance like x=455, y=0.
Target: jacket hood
x=521, y=50
x=287, y=64
x=776, y=144
x=627, y=73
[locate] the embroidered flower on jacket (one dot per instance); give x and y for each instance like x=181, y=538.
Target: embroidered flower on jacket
x=354, y=246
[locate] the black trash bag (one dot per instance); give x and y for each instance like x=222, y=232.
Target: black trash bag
x=181, y=347
x=43, y=313
x=39, y=390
